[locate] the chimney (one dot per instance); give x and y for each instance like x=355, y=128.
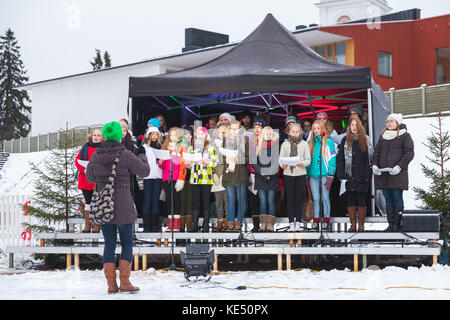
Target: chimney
x=197, y=39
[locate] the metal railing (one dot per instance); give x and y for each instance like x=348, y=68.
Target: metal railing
x=41, y=142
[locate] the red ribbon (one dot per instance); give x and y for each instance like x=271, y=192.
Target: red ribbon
x=26, y=205
x=24, y=234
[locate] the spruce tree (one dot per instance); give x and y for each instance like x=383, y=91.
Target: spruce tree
x=107, y=59
x=56, y=196
x=97, y=64
x=14, y=111
x=437, y=197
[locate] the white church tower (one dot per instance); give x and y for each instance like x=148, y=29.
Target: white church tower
x=333, y=12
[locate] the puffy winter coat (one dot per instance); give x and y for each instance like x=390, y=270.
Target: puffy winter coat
x=360, y=171
x=390, y=151
x=99, y=170
x=328, y=161
x=240, y=176
x=83, y=184
x=266, y=166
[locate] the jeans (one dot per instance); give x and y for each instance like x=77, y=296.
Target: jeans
x=126, y=242
x=233, y=193
x=315, y=191
x=393, y=197
x=266, y=202
x=152, y=191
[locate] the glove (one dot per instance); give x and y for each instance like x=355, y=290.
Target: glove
x=395, y=171
x=329, y=182
x=140, y=183
x=179, y=185
x=216, y=179
x=140, y=150
x=375, y=170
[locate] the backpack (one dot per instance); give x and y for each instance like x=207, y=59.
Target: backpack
x=102, y=203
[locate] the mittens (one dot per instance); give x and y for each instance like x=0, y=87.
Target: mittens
x=329, y=182
x=179, y=185
x=376, y=170
x=395, y=171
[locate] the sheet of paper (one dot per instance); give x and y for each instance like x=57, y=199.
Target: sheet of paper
x=343, y=189
x=291, y=161
x=384, y=170
x=192, y=157
x=83, y=163
x=229, y=152
x=161, y=154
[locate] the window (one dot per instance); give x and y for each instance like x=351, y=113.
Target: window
x=443, y=65
x=343, y=19
x=340, y=53
x=321, y=50
x=384, y=64
x=330, y=52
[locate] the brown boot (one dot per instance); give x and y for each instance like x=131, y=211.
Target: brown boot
x=110, y=275
x=237, y=226
x=352, y=216
x=225, y=225
x=87, y=222
x=124, y=276
x=188, y=221
x=182, y=223
x=361, y=218
x=219, y=226
x=270, y=223
x=230, y=226
x=263, y=223
x=96, y=228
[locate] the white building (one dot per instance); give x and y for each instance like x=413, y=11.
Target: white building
x=333, y=12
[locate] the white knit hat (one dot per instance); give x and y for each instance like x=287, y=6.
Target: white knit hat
x=228, y=116
x=397, y=117
x=150, y=130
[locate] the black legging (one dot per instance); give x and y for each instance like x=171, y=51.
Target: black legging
x=176, y=198
x=294, y=187
x=87, y=195
x=201, y=197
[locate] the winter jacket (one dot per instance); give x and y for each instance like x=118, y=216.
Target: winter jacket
x=240, y=176
x=179, y=170
x=202, y=174
x=391, y=151
x=360, y=168
x=83, y=184
x=155, y=170
x=266, y=166
x=302, y=152
x=99, y=170
x=328, y=162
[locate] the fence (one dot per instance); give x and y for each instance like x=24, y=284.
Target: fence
x=420, y=101
x=49, y=140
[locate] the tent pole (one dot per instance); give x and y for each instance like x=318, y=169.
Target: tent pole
x=311, y=105
x=370, y=114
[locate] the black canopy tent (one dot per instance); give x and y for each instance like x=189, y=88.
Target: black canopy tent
x=269, y=71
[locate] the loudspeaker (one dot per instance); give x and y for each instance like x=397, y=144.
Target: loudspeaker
x=421, y=221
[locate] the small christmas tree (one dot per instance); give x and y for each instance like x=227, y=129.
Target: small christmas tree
x=14, y=112
x=437, y=197
x=107, y=59
x=57, y=197
x=97, y=64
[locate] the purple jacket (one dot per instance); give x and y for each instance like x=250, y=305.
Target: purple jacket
x=99, y=169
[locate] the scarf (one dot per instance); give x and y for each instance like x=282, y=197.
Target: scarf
x=294, y=141
x=84, y=153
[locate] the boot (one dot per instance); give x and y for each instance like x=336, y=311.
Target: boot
x=237, y=226
x=255, y=223
x=326, y=224
x=315, y=225
x=352, y=215
x=219, y=226
x=361, y=218
x=169, y=226
x=87, y=222
x=205, y=225
x=182, y=223
x=155, y=226
x=398, y=218
x=390, y=218
x=230, y=226
x=124, y=276
x=110, y=274
x=147, y=222
x=225, y=225
x=96, y=228
x=176, y=223
x=263, y=223
x=195, y=215
x=270, y=223
x=188, y=220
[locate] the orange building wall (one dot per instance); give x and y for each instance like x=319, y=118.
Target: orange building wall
x=413, y=45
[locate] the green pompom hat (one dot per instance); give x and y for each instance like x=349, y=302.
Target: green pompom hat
x=112, y=131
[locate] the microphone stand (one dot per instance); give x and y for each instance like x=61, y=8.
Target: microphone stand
x=172, y=266
x=321, y=213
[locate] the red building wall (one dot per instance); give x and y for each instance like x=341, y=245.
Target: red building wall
x=413, y=46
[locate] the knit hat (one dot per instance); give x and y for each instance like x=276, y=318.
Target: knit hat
x=205, y=131
x=154, y=122
x=150, y=130
x=397, y=117
x=112, y=131
x=259, y=122
x=321, y=114
x=289, y=120
x=228, y=116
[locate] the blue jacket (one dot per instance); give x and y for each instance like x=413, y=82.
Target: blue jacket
x=328, y=162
